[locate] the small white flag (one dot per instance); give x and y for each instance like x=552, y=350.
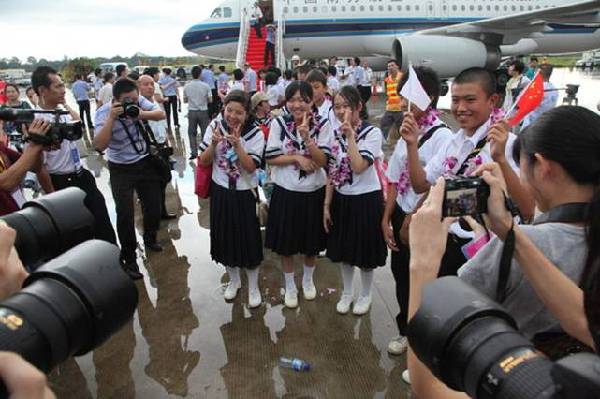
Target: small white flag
x=414, y=92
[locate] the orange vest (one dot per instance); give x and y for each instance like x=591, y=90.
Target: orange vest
x=393, y=99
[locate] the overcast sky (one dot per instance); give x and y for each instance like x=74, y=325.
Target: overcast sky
x=52, y=29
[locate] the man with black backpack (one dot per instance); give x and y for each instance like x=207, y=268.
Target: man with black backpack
x=132, y=167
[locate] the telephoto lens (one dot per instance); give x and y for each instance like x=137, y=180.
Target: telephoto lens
x=50, y=225
x=69, y=306
x=471, y=344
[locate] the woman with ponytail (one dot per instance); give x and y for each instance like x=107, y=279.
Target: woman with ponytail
x=554, y=272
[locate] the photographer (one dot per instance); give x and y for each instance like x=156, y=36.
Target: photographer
x=560, y=165
x=64, y=163
x=119, y=130
x=14, y=166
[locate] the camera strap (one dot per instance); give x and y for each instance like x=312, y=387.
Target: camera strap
x=140, y=151
x=576, y=212
x=465, y=164
x=429, y=134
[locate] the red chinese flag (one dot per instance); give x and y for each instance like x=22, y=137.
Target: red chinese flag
x=529, y=100
x=2, y=93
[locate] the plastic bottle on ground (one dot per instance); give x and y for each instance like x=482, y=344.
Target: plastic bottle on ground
x=294, y=364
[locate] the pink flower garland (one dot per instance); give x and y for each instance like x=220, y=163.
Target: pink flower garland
x=232, y=169
x=340, y=173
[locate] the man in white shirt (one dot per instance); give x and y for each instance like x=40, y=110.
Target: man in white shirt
x=198, y=95
x=64, y=163
x=250, y=77
x=105, y=94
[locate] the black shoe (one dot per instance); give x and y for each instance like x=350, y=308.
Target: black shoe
x=168, y=216
x=133, y=271
x=154, y=246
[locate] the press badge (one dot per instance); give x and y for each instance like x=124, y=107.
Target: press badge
x=75, y=156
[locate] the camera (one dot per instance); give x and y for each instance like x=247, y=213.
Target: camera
x=58, y=132
x=75, y=301
x=130, y=108
x=48, y=226
x=471, y=344
x=465, y=196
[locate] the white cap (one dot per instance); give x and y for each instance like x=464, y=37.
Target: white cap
x=295, y=57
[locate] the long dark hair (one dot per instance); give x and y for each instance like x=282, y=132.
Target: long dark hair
x=570, y=136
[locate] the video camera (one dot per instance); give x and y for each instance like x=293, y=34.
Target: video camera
x=471, y=344
x=74, y=302
x=58, y=132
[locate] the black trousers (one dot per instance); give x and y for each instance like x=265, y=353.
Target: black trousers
x=94, y=201
x=453, y=259
x=215, y=106
x=84, y=108
x=171, y=103
x=269, y=53
x=124, y=180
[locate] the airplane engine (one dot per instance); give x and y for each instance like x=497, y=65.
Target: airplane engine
x=446, y=55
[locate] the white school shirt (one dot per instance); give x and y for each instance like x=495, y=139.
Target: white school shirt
x=333, y=84
x=105, y=94
x=397, y=164
x=369, y=140
x=253, y=142
x=324, y=111
x=283, y=140
x=460, y=147
x=273, y=94
x=236, y=85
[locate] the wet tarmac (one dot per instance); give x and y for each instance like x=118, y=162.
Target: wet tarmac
x=185, y=340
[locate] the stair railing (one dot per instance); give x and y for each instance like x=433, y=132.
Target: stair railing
x=240, y=57
x=280, y=55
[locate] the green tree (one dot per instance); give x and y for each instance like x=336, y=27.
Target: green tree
x=77, y=66
x=31, y=60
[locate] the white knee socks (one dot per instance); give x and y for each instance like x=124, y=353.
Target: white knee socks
x=252, y=279
x=366, y=277
x=307, y=277
x=234, y=274
x=347, y=277
x=290, y=284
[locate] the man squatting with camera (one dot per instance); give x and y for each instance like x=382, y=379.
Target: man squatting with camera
x=64, y=162
x=119, y=129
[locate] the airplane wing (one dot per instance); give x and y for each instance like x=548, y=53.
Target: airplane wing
x=512, y=27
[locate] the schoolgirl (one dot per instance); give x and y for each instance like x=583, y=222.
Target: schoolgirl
x=233, y=145
x=297, y=150
x=354, y=202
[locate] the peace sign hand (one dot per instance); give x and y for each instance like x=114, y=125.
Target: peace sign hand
x=304, y=128
x=217, y=136
x=347, y=128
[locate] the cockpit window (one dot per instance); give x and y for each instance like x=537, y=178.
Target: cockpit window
x=217, y=13
x=226, y=12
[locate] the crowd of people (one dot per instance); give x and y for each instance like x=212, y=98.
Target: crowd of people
x=329, y=191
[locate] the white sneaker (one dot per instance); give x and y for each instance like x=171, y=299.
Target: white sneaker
x=343, y=306
x=406, y=376
x=309, y=290
x=397, y=345
x=254, y=298
x=362, y=305
x=291, y=299
x=231, y=290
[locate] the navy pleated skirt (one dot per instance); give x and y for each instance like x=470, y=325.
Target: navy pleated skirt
x=235, y=238
x=295, y=223
x=355, y=236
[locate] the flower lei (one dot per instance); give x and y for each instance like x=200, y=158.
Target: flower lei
x=293, y=147
x=450, y=163
x=429, y=118
x=425, y=123
x=341, y=173
x=231, y=169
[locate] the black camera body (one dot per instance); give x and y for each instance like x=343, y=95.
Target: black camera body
x=130, y=108
x=58, y=132
x=465, y=196
x=472, y=344
x=77, y=294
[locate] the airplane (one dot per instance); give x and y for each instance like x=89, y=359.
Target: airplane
x=448, y=35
